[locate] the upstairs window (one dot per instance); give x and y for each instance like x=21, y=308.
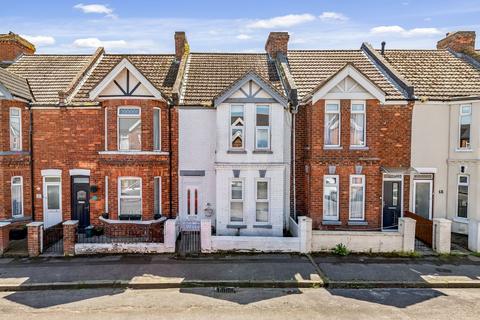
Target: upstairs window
x=465, y=121
x=156, y=130
x=262, y=129
x=236, y=200
x=130, y=198
x=357, y=125
x=15, y=129
x=462, y=196
x=237, y=127
x=17, y=196
x=332, y=125
x=129, y=129
x=330, y=197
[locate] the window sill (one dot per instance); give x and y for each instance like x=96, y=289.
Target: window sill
x=331, y=223
x=236, y=226
x=13, y=153
x=262, y=151
x=332, y=148
x=237, y=151
x=463, y=150
x=263, y=226
x=461, y=220
x=357, y=223
x=359, y=148
x=135, y=153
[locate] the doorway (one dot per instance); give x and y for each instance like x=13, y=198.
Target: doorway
x=422, y=193
x=392, y=202
x=81, y=200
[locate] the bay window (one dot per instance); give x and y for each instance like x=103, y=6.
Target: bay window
x=262, y=127
x=465, y=121
x=330, y=197
x=15, y=129
x=130, y=198
x=357, y=197
x=236, y=200
x=262, y=201
x=237, y=127
x=462, y=196
x=332, y=124
x=17, y=196
x=129, y=129
x=357, y=124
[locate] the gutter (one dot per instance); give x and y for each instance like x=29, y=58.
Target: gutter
x=170, y=105
x=32, y=188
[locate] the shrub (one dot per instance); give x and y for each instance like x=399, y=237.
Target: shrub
x=341, y=250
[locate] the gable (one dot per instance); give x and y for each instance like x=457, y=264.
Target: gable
x=348, y=83
x=125, y=81
x=250, y=89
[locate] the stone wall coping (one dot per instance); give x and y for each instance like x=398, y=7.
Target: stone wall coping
x=442, y=220
x=4, y=223
x=70, y=222
x=140, y=222
x=35, y=224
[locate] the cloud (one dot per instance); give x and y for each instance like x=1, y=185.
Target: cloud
x=95, y=8
x=329, y=16
x=415, y=32
x=95, y=43
x=244, y=36
x=282, y=21
x=40, y=40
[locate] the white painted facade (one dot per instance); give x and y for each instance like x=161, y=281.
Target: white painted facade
x=208, y=163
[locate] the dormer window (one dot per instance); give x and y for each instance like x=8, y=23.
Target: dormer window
x=129, y=129
x=15, y=129
x=237, y=127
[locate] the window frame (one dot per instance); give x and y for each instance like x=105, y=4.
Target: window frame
x=120, y=197
x=353, y=176
x=157, y=181
x=332, y=102
x=268, y=128
x=21, y=196
x=159, y=123
x=364, y=113
x=467, y=184
x=20, y=129
x=231, y=127
x=460, y=115
x=325, y=177
x=267, y=180
x=119, y=116
x=236, y=200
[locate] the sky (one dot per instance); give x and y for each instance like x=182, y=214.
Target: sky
x=147, y=26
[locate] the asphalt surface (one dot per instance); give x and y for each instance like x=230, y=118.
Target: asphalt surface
x=244, y=303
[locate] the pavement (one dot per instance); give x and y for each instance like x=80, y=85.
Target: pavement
x=225, y=271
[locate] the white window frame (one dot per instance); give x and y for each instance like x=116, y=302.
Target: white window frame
x=128, y=116
x=467, y=184
x=331, y=218
x=159, y=129
x=230, y=143
x=236, y=200
x=119, y=190
x=364, y=113
x=157, y=180
x=464, y=114
x=21, y=196
x=262, y=200
x=20, y=130
x=353, y=176
x=263, y=127
x=331, y=102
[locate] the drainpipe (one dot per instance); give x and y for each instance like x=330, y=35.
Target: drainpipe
x=32, y=188
x=170, y=163
x=294, y=111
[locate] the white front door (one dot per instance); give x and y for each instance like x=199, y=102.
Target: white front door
x=52, y=201
x=192, y=206
x=422, y=193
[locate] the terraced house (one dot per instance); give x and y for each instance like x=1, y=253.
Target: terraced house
x=244, y=143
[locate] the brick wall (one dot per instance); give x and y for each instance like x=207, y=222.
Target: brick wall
x=388, y=140
x=460, y=41
x=10, y=49
x=277, y=42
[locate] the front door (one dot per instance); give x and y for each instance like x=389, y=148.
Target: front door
x=392, y=203
x=422, y=191
x=52, y=201
x=81, y=200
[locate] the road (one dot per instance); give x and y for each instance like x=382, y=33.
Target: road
x=257, y=304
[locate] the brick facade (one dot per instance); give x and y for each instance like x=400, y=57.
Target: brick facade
x=388, y=132
x=460, y=41
x=12, y=46
x=277, y=42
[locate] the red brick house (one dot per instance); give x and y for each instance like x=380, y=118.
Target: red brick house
x=104, y=136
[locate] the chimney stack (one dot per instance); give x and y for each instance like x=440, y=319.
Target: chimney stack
x=181, y=45
x=12, y=46
x=277, y=42
x=460, y=41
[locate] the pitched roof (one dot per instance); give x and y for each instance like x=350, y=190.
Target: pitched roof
x=49, y=74
x=161, y=70
x=16, y=85
x=311, y=67
x=436, y=74
x=208, y=74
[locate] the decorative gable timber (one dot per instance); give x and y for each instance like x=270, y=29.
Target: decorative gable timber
x=125, y=81
x=250, y=88
x=348, y=83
